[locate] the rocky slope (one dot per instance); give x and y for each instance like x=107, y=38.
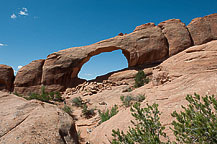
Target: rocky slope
x=34, y=122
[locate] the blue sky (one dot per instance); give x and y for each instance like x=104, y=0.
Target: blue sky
x=32, y=29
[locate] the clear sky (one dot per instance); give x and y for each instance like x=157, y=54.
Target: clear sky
x=32, y=29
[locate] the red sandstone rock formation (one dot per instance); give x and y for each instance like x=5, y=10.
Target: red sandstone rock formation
x=6, y=78
x=148, y=44
x=177, y=35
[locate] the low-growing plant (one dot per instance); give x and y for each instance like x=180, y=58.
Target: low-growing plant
x=147, y=127
x=88, y=113
x=104, y=116
x=42, y=97
x=45, y=97
x=140, y=79
x=140, y=98
x=67, y=109
x=197, y=123
x=127, y=100
x=129, y=89
x=77, y=101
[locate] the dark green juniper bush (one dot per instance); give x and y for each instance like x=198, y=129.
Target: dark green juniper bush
x=197, y=123
x=88, y=113
x=140, y=79
x=104, y=116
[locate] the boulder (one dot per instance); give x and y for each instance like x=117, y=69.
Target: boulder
x=203, y=29
x=177, y=35
x=34, y=122
x=29, y=76
x=6, y=78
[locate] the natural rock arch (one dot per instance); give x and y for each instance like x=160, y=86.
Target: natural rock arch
x=140, y=47
x=148, y=44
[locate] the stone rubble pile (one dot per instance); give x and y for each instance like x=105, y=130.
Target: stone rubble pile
x=90, y=88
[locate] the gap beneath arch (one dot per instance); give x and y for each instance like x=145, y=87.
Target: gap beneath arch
x=102, y=64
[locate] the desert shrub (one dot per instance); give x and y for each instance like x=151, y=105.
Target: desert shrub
x=45, y=97
x=140, y=79
x=77, y=101
x=67, y=109
x=57, y=97
x=197, y=123
x=88, y=113
x=104, y=116
x=42, y=97
x=129, y=89
x=147, y=127
x=140, y=98
x=129, y=100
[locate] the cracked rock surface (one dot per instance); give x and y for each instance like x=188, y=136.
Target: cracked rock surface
x=34, y=122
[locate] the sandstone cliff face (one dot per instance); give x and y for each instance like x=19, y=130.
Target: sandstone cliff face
x=34, y=122
x=29, y=76
x=6, y=78
x=148, y=44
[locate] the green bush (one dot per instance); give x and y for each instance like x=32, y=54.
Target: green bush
x=139, y=98
x=77, y=101
x=104, y=116
x=129, y=100
x=42, y=97
x=147, y=127
x=197, y=123
x=140, y=79
x=67, y=109
x=45, y=97
x=88, y=113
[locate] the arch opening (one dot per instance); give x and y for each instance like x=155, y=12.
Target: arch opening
x=102, y=64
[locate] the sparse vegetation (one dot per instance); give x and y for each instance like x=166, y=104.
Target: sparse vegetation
x=147, y=127
x=129, y=89
x=88, y=113
x=67, y=109
x=198, y=121
x=129, y=100
x=140, y=79
x=77, y=101
x=45, y=97
x=139, y=98
x=104, y=116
